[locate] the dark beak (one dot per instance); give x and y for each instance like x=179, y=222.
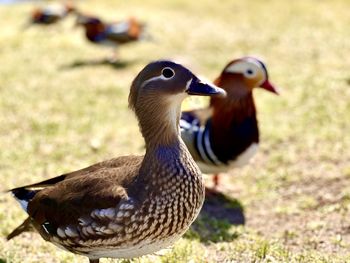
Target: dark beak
x=197, y=87
x=270, y=87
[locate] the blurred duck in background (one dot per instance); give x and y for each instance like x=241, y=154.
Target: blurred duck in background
x=111, y=34
x=50, y=15
x=225, y=135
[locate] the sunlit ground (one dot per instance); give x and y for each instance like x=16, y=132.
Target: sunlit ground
x=60, y=113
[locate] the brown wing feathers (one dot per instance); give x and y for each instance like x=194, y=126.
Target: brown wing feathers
x=59, y=197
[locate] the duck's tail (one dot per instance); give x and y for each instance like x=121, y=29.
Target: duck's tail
x=24, y=227
x=23, y=196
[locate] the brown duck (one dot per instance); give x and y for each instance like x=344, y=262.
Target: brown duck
x=132, y=205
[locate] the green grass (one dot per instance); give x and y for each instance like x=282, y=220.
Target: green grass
x=58, y=115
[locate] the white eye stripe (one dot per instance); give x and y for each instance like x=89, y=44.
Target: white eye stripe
x=152, y=79
x=249, y=69
x=162, y=77
x=235, y=68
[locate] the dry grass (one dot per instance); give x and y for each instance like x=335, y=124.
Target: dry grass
x=295, y=195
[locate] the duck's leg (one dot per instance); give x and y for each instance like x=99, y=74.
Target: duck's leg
x=114, y=57
x=213, y=191
x=215, y=181
x=94, y=260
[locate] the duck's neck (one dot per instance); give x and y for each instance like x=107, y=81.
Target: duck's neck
x=167, y=158
x=159, y=123
x=233, y=127
x=227, y=111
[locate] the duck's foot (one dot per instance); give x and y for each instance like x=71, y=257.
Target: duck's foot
x=114, y=59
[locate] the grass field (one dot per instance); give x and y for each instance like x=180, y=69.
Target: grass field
x=59, y=112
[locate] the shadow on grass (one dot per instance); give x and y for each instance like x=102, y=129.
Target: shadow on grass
x=117, y=64
x=214, y=223
x=2, y=260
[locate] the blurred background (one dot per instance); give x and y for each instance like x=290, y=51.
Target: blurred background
x=62, y=107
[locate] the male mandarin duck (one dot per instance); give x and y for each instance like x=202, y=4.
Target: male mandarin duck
x=132, y=205
x=48, y=16
x=225, y=135
x=111, y=34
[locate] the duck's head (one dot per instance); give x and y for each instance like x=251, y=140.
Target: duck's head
x=36, y=14
x=241, y=75
x=167, y=82
x=137, y=29
x=157, y=92
x=86, y=21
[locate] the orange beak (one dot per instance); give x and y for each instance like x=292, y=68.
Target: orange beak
x=270, y=87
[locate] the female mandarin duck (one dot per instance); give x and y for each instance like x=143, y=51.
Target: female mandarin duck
x=48, y=16
x=226, y=135
x=132, y=205
x=111, y=34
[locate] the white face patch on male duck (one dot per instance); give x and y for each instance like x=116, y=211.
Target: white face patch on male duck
x=249, y=68
x=252, y=69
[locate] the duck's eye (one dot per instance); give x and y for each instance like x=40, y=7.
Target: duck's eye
x=168, y=73
x=249, y=71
